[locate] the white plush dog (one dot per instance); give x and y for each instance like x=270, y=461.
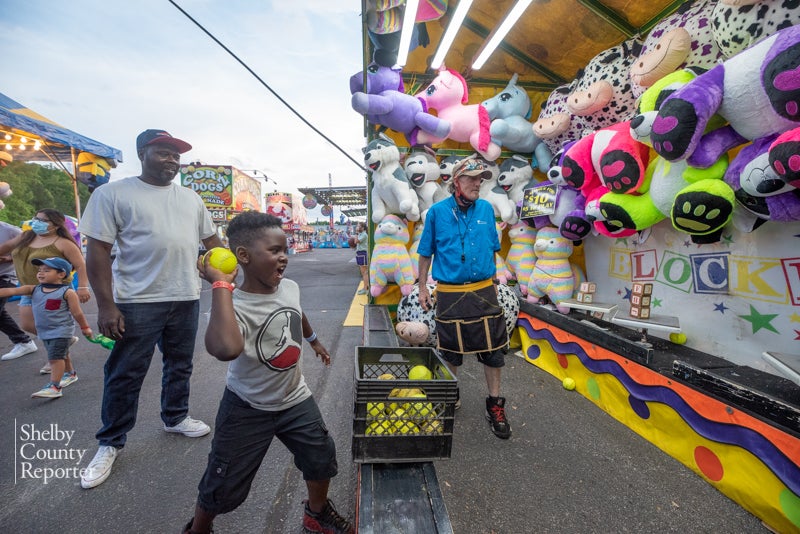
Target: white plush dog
x=391, y=192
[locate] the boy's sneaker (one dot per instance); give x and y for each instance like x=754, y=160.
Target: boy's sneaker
x=189, y=427
x=328, y=521
x=100, y=467
x=496, y=414
x=50, y=391
x=68, y=378
x=19, y=350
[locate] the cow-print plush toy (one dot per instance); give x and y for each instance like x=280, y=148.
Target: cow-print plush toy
x=682, y=39
x=602, y=89
x=738, y=24
x=409, y=310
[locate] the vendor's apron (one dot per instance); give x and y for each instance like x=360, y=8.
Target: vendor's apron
x=469, y=318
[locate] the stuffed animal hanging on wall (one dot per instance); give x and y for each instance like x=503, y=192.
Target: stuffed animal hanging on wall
x=448, y=95
x=391, y=192
x=756, y=92
x=384, y=103
x=422, y=171
x=683, y=39
x=510, y=112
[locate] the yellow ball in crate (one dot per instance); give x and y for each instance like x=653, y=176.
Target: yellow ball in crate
x=419, y=372
x=376, y=409
x=380, y=427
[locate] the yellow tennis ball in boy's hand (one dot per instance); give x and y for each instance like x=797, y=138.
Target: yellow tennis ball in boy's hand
x=222, y=259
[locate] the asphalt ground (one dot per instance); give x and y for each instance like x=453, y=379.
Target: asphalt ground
x=568, y=467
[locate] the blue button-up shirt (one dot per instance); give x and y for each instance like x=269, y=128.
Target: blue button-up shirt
x=450, y=233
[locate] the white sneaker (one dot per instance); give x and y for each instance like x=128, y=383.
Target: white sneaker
x=20, y=349
x=100, y=467
x=189, y=427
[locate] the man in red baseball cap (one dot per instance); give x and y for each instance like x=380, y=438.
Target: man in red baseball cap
x=150, y=137
x=150, y=295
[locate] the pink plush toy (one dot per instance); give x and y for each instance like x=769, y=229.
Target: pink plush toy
x=448, y=95
x=390, y=260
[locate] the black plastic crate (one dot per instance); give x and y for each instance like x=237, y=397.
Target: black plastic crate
x=389, y=428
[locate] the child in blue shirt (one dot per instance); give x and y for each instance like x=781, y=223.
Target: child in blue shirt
x=54, y=305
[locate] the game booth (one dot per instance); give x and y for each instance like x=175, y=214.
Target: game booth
x=646, y=185
x=226, y=191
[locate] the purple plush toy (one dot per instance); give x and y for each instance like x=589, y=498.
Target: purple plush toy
x=757, y=91
x=750, y=168
x=385, y=104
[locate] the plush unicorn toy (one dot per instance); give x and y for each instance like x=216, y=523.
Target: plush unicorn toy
x=447, y=94
x=510, y=111
x=390, y=260
x=384, y=103
x=391, y=192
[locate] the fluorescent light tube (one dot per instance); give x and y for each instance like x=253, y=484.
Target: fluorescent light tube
x=450, y=34
x=499, y=34
x=409, y=17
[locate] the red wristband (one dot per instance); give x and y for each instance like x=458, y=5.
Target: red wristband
x=223, y=284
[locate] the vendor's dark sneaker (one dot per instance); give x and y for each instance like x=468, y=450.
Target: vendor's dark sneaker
x=496, y=414
x=188, y=528
x=328, y=521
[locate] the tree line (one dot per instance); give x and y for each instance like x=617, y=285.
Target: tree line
x=36, y=187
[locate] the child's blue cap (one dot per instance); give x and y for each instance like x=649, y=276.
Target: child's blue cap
x=59, y=264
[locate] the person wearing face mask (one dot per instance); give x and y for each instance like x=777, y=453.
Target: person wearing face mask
x=460, y=242
x=157, y=226
x=48, y=237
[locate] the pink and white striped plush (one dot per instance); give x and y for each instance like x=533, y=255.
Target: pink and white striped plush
x=553, y=274
x=390, y=261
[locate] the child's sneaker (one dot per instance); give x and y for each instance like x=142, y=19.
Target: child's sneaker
x=328, y=521
x=50, y=391
x=68, y=379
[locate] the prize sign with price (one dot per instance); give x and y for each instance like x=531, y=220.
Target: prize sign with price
x=539, y=200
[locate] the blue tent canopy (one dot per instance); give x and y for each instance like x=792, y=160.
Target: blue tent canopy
x=17, y=121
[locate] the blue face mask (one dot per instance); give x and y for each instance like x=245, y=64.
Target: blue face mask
x=39, y=227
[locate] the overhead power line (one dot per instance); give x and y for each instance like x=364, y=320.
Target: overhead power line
x=257, y=77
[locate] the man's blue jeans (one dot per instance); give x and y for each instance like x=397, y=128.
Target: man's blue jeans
x=171, y=325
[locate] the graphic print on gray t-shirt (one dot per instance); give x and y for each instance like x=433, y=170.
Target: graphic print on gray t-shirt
x=284, y=325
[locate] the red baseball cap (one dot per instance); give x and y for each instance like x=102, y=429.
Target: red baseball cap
x=148, y=137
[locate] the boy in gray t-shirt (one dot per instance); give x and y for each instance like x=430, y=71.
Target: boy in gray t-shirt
x=259, y=328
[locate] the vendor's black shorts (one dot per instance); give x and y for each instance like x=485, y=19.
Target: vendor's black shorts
x=495, y=358
x=242, y=435
x=361, y=257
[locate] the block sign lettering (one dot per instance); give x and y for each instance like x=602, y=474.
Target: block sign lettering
x=539, y=200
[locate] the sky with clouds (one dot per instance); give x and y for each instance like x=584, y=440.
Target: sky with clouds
x=109, y=69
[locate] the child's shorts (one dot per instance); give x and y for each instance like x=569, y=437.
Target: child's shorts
x=361, y=257
x=58, y=348
x=242, y=436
